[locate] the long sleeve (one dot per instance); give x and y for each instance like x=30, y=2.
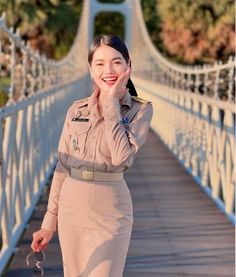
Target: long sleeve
x=60, y=173
x=124, y=141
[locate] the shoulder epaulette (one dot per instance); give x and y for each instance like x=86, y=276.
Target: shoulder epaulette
x=82, y=101
x=139, y=99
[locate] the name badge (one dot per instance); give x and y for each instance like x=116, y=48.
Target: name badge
x=80, y=119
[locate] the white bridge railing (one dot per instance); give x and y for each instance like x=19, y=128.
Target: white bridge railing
x=194, y=113
x=198, y=127
x=200, y=132
x=40, y=91
x=216, y=80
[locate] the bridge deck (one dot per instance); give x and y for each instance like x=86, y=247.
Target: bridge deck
x=177, y=230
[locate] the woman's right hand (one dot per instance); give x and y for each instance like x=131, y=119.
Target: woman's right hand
x=119, y=89
x=41, y=239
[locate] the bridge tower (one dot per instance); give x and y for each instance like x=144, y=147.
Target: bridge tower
x=124, y=8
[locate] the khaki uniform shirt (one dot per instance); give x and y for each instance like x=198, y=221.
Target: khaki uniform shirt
x=104, y=144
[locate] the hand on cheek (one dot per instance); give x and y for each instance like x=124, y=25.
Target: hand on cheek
x=119, y=88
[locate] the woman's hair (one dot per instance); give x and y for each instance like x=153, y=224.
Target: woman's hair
x=116, y=43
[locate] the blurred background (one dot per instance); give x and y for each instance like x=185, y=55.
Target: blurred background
x=184, y=62
x=186, y=32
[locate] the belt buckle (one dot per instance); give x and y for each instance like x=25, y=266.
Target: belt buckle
x=87, y=175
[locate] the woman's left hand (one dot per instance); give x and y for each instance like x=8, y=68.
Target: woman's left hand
x=119, y=89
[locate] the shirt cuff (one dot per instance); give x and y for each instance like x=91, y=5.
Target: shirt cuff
x=112, y=110
x=49, y=222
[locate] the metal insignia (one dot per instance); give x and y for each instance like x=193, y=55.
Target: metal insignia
x=78, y=114
x=125, y=120
x=74, y=142
x=85, y=113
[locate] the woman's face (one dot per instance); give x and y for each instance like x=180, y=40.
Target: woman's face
x=107, y=65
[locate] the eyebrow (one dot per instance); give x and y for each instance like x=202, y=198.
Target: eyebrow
x=101, y=60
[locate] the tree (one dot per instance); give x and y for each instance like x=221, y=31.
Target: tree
x=115, y=26
x=197, y=31
x=153, y=22
x=49, y=25
x=111, y=1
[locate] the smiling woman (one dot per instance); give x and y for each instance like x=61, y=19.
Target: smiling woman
x=105, y=69
x=109, y=57
x=89, y=199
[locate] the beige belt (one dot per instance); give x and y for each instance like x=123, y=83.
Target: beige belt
x=95, y=175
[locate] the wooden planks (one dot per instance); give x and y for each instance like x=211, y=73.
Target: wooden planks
x=177, y=230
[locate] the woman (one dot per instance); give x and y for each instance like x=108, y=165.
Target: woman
x=89, y=200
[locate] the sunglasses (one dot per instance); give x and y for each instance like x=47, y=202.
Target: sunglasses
x=40, y=258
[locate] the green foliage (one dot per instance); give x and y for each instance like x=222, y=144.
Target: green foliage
x=186, y=31
x=153, y=22
x=4, y=86
x=115, y=26
x=197, y=31
x=49, y=25
x=3, y=98
x=111, y=1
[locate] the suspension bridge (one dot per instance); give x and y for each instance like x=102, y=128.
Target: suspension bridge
x=183, y=180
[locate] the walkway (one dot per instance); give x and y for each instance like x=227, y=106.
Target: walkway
x=177, y=230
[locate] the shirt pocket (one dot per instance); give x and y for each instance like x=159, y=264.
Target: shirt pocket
x=78, y=137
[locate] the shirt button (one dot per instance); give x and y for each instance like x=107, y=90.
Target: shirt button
x=94, y=137
x=90, y=156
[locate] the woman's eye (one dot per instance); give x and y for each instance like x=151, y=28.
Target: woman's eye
x=117, y=62
x=99, y=64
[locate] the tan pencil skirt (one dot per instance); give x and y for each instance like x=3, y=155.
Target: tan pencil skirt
x=94, y=226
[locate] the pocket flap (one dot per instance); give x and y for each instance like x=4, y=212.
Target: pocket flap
x=80, y=127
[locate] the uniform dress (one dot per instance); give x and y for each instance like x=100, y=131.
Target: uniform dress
x=94, y=218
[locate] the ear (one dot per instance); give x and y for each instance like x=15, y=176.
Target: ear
x=129, y=63
x=90, y=70
x=91, y=74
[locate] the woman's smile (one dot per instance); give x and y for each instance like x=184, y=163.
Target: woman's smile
x=97, y=219
x=110, y=80
x=107, y=65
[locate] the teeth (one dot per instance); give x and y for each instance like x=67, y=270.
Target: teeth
x=109, y=79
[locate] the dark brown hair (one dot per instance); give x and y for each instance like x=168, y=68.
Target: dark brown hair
x=116, y=43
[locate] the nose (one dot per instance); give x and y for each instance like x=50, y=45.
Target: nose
x=108, y=68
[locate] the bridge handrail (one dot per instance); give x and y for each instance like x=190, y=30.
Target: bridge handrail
x=40, y=91
x=35, y=71
x=205, y=79
x=30, y=124
x=200, y=132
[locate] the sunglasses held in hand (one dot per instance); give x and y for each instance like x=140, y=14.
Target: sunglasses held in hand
x=39, y=258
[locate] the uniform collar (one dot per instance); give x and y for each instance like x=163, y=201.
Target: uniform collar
x=126, y=100
x=93, y=99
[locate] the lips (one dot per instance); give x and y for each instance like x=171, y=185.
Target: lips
x=110, y=80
